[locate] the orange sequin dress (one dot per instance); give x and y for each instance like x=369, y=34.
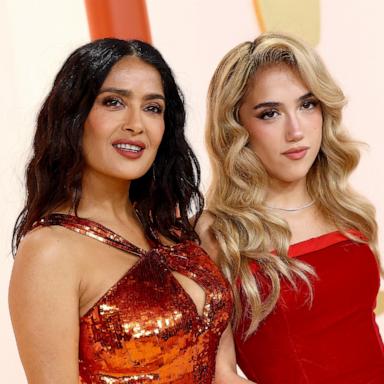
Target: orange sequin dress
x=146, y=328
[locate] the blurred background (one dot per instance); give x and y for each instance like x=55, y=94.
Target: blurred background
x=37, y=35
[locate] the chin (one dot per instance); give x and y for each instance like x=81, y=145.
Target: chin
x=133, y=176
x=127, y=175
x=132, y=172
x=289, y=178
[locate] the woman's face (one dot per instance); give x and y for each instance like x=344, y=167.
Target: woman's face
x=284, y=121
x=124, y=128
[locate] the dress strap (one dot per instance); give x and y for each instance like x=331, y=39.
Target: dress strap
x=91, y=229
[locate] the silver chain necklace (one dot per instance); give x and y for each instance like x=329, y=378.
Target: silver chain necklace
x=292, y=209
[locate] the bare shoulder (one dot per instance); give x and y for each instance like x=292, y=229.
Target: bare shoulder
x=43, y=238
x=205, y=222
x=46, y=246
x=44, y=305
x=208, y=240
x=45, y=257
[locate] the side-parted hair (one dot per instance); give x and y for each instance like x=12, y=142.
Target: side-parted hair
x=244, y=228
x=164, y=197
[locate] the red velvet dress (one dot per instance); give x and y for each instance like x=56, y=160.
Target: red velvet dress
x=146, y=329
x=336, y=340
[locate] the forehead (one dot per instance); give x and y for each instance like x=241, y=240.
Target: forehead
x=276, y=80
x=133, y=70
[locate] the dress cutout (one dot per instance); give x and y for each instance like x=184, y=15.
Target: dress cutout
x=146, y=328
x=334, y=341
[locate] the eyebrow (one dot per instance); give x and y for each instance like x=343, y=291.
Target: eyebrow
x=274, y=104
x=127, y=93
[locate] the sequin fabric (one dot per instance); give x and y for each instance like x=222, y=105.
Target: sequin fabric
x=146, y=328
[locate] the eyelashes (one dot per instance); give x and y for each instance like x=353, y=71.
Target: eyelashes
x=116, y=103
x=310, y=104
x=268, y=114
x=111, y=101
x=154, y=108
x=272, y=113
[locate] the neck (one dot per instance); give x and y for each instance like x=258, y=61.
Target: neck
x=105, y=197
x=287, y=195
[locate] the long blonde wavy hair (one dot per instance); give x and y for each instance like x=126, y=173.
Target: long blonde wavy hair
x=244, y=228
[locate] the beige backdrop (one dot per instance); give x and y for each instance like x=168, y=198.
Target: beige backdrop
x=36, y=36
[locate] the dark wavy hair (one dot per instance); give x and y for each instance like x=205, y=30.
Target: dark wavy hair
x=164, y=197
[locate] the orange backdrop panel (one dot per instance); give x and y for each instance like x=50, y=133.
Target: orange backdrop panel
x=124, y=19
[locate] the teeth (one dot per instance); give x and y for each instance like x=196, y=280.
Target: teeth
x=128, y=147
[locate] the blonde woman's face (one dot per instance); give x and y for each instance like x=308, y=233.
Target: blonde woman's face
x=284, y=122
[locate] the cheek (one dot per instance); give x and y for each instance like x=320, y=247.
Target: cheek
x=94, y=141
x=262, y=141
x=97, y=129
x=92, y=128
x=88, y=135
x=318, y=131
x=156, y=134
x=161, y=134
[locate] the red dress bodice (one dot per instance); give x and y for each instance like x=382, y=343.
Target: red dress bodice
x=333, y=341
x=146, y=328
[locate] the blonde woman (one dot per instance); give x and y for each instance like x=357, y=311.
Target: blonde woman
x=297, y=243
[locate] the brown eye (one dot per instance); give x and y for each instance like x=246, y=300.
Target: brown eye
x=268, y=115
x=154, y=108
x=309, y=104
x=113, y=102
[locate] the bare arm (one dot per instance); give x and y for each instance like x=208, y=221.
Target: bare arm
x=43, y=300
x=226, y=371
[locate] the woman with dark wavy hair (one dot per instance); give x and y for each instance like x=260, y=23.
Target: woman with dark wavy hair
x=109, y=283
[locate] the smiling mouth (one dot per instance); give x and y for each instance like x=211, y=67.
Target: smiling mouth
x=128, y=147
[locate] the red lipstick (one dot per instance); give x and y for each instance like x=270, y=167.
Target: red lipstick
x=130, y=149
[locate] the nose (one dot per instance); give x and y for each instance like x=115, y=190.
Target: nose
x=294, y=131
x=133, y=121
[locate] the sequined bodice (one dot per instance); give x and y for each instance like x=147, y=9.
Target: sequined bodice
x=146, y=328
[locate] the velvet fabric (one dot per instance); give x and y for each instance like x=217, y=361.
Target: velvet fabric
x=336, y=339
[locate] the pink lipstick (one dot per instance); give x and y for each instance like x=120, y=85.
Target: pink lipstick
x=296, y=153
